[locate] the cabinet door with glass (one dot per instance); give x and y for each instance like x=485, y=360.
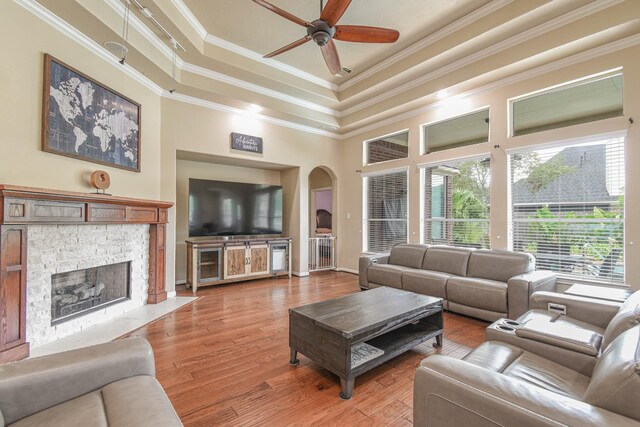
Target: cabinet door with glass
x=209, y=265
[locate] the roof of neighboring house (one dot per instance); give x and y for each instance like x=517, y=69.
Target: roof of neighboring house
x=586, y=183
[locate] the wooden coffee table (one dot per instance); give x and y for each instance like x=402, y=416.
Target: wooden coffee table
x=353, y=334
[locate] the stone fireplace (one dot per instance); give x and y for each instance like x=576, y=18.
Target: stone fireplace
x=83, y=275
x=79, y=292
x=48, y=232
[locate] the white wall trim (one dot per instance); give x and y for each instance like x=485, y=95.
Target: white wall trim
x=427, y=41
x=348, y=270
x=300, y=274
x=171, y=294
x=541, y=29
x=233, y=110
x=190, y=17
x=534, y=72
x=75, y=35
x=205, y=72
x=247, y=53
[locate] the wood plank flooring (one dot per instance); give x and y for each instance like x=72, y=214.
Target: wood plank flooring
x=223, y=360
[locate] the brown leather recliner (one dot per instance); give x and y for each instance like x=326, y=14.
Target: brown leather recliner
x=110, y=384
x=501, y=384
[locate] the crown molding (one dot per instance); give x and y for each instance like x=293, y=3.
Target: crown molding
x=427, y=41
x=152, y=38
x=205, y=72
x=142, y=28
x=519, y=38
x=233, y=110
x=247, y=53
x=239, y=50
x=190, y=17
x=65, y=28
x=525, y=75
x=59, y=24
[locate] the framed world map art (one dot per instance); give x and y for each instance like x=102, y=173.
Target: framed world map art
x=86, y=120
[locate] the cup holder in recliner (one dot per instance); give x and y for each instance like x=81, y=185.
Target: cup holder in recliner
x=511, y=323
x=506, y=328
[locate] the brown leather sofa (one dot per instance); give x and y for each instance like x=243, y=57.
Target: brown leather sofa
x=501, y=384
x=110, y=384
x=487, y=284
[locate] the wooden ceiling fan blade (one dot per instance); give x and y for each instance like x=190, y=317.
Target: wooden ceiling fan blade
x=333, y=11
x=282, y=13
x=289, y=47
x=331, y=57
x=364, y=34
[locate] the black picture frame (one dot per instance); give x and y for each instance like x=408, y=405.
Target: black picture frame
x=86, y=120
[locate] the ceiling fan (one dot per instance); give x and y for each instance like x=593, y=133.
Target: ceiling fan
x=323, y=30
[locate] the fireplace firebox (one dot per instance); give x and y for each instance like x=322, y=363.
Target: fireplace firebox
x=78, y=292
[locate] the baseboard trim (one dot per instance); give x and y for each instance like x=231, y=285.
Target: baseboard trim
x=300, y=274
x=348, y=270
x=171, y=294
x=181, y=282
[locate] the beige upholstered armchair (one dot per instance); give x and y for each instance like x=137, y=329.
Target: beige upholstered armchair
x=110, y=384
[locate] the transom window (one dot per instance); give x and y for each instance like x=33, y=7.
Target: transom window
x=386, y=148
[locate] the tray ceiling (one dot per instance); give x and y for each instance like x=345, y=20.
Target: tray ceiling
x=455, y=45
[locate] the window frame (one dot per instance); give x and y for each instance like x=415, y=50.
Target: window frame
x=365, y=203
x=568, y=278
x=423, y=126
x=365, y=144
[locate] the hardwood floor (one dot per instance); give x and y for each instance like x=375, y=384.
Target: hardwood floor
x=223, y=360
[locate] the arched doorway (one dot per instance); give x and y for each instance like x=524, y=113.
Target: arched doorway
x=322, y=219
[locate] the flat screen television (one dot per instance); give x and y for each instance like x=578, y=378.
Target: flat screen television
x=222, y=208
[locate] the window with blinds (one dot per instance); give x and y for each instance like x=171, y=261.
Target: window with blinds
x=385, y=213
x=386, y=148
x=460, y=131
x=456, y=203
x=567, y=207
x=583, y=102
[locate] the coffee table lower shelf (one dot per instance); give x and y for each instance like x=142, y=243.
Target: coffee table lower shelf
x=333, y=351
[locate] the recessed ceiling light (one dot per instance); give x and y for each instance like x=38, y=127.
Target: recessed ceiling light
x=254, y=108
x=442, y=94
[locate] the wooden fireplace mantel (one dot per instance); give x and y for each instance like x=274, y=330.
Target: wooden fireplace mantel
x=24, y=206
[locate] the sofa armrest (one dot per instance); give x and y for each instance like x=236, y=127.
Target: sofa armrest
x=32, y=385
x=454, y=393
x=520, y=288
x=594, y=311
x=367, y=261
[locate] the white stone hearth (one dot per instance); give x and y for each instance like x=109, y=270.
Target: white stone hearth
x=56, y=249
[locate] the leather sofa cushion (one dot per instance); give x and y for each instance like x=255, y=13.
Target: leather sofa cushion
x=407, y=255
x=425, y=282
x=546, y=374
x=499, y=265
x=546, y=316
x=495, y=356
x=562, y=335
x=86, y=410
x=447, y=259
x=481, y=293
x=615, y=382
x=529, y=368
x=136, y=401
x=386, y=274
x=627, y=317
